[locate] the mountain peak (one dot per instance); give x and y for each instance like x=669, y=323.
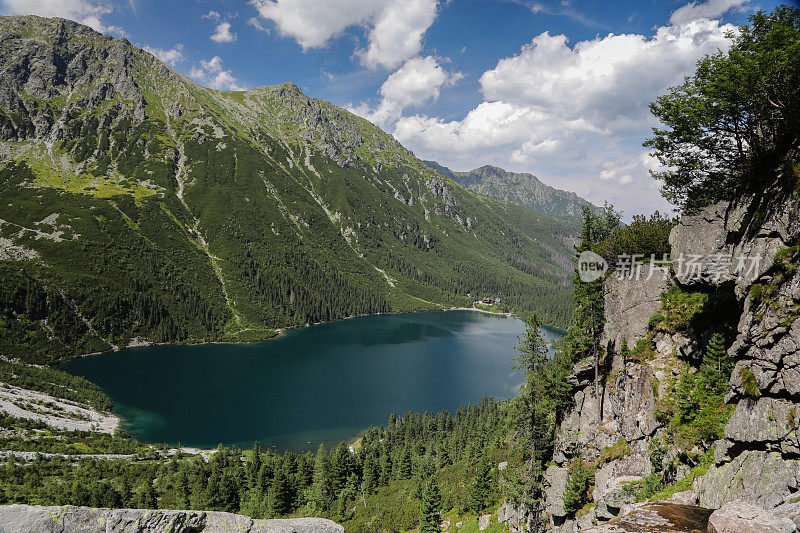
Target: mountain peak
x=516, y=187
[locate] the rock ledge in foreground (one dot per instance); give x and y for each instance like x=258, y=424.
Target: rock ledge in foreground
x=743, y=517
x=68, y=519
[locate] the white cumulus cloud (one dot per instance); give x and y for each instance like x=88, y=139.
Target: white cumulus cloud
x=311, y=23
x=575, y=113
x=395, y=27
x=397, y=33
x=223, y=34
x=213, y=74
x=709, y=10
x=171, y=57
x=418, y=81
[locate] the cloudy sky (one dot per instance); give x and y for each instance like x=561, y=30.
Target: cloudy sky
x=556, y=88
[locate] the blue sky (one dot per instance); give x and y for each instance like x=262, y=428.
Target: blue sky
x=556, y=88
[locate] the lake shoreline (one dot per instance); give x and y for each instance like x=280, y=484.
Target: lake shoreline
x=138, y=342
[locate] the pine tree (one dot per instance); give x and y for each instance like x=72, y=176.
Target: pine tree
x=320, y=492
x=404, y=465
x=532, y=356
x=371, y=475
x=148, y=499
x=254, y=465
x=717, y=365
x=430, y=511
x=339, y=467
x=589, y=315
x=481, y=490
x=685, y=398
x=576, y=491
x=282, y=496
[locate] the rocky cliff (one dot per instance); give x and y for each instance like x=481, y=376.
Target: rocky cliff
x=69, y=519
x=734, y=270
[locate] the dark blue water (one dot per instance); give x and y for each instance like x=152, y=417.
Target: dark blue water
x=321, y=384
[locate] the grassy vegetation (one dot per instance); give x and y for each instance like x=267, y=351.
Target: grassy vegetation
x=616, y=451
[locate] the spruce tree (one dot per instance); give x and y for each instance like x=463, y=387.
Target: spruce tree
x=685, y=398
x=282, y=496
x=430, y=511
x=481, y=491
x=576, y=491
x=254, y=465
x=717, y=365
x=531, y=358
x=371, y=475
x=404, y=465
x=320, y=493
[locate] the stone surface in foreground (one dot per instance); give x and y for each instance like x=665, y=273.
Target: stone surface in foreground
x=659, y=517
x=743, y=517
x=69, y=519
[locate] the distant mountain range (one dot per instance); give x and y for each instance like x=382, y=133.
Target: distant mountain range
x=138, y=206
x=519, y=188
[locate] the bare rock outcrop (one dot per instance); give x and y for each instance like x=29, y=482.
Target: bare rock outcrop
x=69, y=519
x=743, y=517
x=745, y=253
x=758, y=461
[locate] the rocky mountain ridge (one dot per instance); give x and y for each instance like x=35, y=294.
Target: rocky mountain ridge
x=520, y=188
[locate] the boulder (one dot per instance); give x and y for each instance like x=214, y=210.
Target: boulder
x=743, y=517
x=483, y=521
x=764, y=420
x=790, y=511
x=511, y=517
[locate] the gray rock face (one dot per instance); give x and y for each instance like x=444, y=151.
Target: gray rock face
x=763, y=478
x=555, y=481
x=743, y=517
x=749, y=232
x=623, y=409
x=60, y=58
x=629, y=304
x=511, y=517
x=757, y=462
x=69, y=519
x=771, y=421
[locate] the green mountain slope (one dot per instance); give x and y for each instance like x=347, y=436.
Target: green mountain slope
x=519, y=188
x=135, y=204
